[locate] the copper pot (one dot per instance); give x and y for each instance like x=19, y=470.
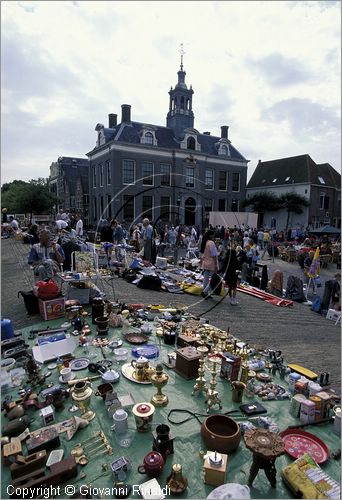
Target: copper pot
x=221, y=433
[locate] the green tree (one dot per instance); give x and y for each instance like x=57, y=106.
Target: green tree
x=31, y=197
x=261, y=203
x=293, y=203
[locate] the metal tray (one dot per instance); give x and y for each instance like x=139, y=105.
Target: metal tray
x=136, y=338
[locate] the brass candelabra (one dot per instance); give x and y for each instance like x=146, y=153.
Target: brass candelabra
x=201, y=383
x=212, y=397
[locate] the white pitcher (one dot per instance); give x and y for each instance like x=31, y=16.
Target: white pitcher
x=120, y=419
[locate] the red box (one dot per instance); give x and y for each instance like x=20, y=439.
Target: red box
x=51, y=309
x=230, y=366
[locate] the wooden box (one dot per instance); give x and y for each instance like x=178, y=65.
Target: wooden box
x=187, y=340
x=11, y=450
x=215, y=476
x=51, y=309
x=187, y=362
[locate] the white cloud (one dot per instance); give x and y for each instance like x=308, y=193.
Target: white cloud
x=66, y=65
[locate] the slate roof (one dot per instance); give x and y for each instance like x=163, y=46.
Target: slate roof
x=293, y=170
x=73, y=174
x=131, y=133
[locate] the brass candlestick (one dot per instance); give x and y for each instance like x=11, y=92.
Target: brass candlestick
x=159, y=379
x=212, y=397
x=201, y=383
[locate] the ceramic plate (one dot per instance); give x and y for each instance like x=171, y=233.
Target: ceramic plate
x=128, y=372
x=149, y=351
x=79, y=364
x=52, y=366
x=73, y=375
x=298, y=442
x=114, y=344
x=136, y=338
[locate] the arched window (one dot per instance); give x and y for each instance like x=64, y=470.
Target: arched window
x=182, y=102
x=188, y=104
x=191, y=143
x=224, y=150
x=149, y=138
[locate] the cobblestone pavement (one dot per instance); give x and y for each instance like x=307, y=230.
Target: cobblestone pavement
x=303, y=336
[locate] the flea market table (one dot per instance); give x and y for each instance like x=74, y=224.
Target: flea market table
x=187, y=437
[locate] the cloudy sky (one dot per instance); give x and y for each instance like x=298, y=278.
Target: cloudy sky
x=270, y=70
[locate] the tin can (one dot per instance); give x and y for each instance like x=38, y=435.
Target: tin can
x=300, y=387
x=293, y=378
x=307, y=411
x=337, y=422
x=295, y=404
x=314, y=388
x=318, y=402
x=325, y=403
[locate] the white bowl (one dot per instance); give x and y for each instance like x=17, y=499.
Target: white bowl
x=121, y=354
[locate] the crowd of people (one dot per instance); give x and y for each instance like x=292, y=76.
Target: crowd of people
x=220, y=250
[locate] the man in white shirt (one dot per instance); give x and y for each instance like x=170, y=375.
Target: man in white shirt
x=79, y=225
x=13, y=223
x=61, y=224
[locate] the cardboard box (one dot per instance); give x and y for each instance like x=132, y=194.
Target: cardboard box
x=51, y=309
x=333, y=315
x=81, y=294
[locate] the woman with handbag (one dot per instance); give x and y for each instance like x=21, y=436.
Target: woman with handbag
x=209, y=261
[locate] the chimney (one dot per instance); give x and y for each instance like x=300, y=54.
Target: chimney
x=125, y=113
x=259, y=162
x=224, y=132
x=112, y=120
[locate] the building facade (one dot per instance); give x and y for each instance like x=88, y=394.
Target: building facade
x=319, y=183
x=69, y=181
x=168, y=174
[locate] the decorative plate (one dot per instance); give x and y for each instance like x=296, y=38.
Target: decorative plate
x=298, y=442
x=136, y=338
x=128, y=372
x=79, y=364
x=263, y=377
x=114, y=344
x=148, y=351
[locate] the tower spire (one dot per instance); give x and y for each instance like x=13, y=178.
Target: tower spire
x=182, y=52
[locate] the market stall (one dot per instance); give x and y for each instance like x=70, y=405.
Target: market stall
x=115, y=400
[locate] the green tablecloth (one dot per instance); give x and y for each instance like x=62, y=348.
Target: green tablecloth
x=187, y=442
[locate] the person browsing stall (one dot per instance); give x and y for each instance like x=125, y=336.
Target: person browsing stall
x=209, y=261
x=45, y=256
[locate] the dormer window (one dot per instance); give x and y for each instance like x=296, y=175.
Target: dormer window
x=223, y=147
x=190, y=140
x=321, y=180
x=287, y=179
x=191, y=143
x=148, y=137
x=274, y=180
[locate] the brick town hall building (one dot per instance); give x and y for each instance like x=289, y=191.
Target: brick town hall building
x=167, y=174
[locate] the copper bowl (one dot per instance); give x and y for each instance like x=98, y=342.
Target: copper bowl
x=221, y=433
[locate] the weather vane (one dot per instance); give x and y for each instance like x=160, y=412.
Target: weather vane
x=182, y=52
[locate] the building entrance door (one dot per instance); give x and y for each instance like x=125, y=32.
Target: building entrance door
x=190, y=211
